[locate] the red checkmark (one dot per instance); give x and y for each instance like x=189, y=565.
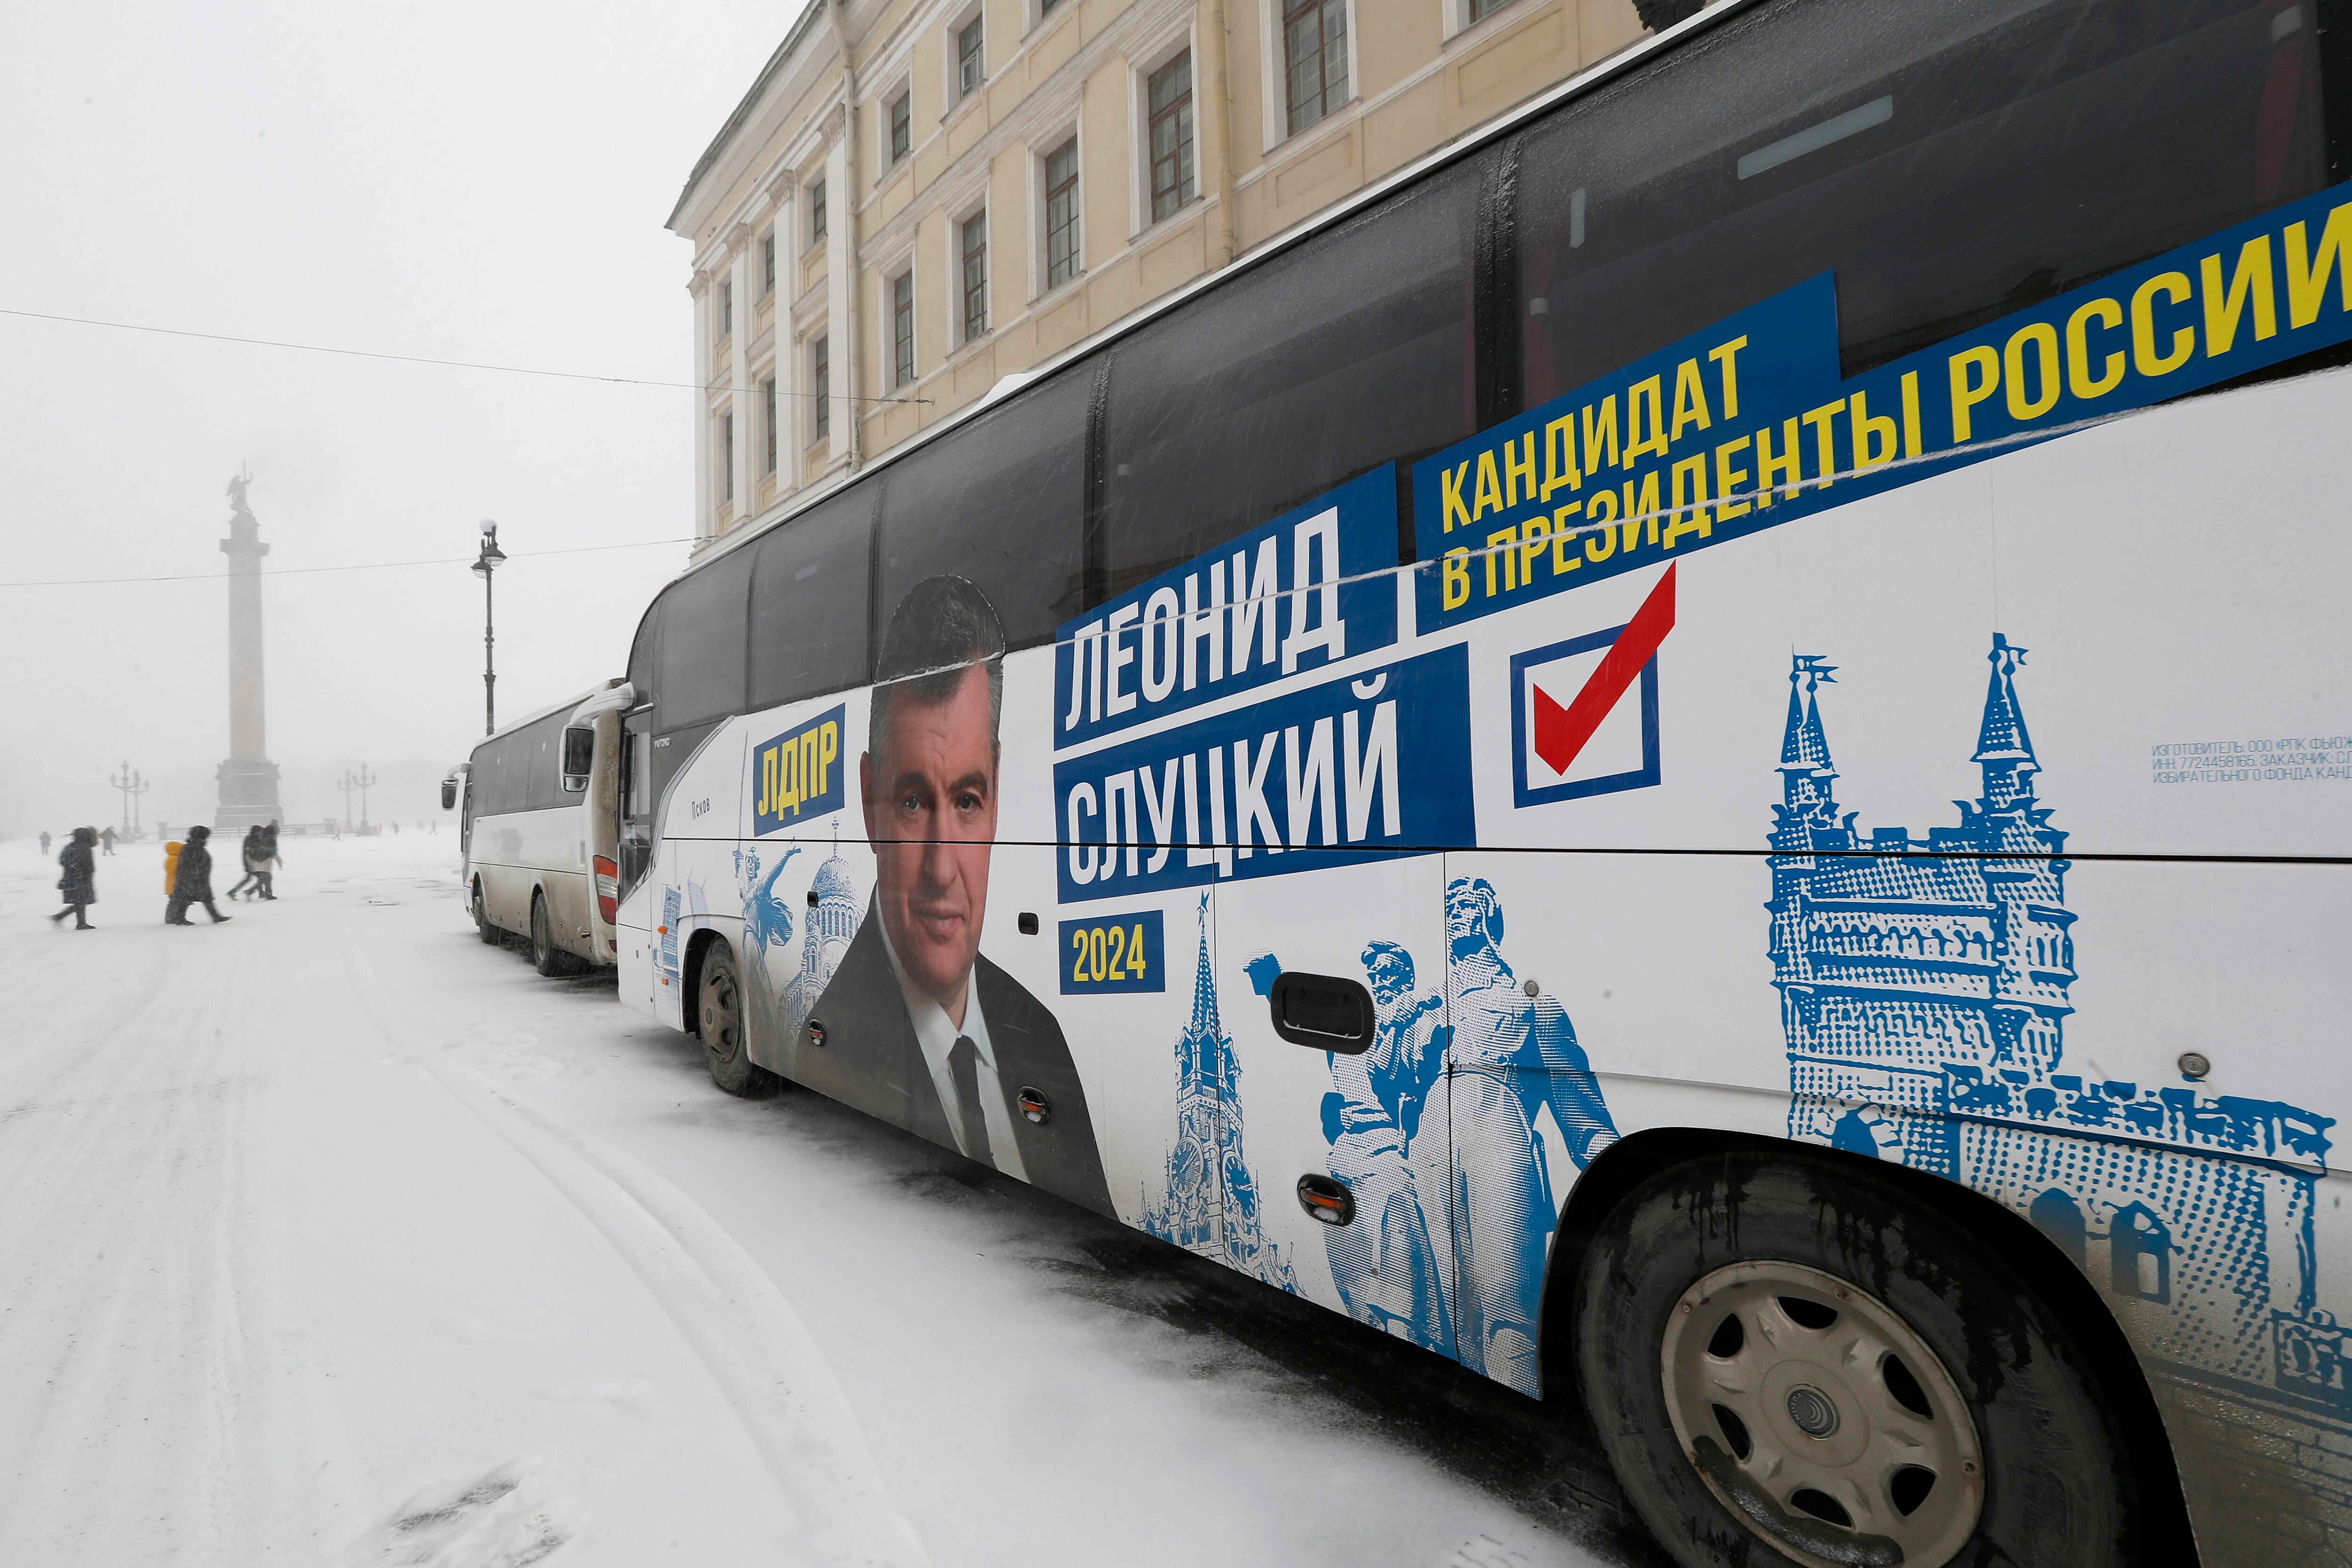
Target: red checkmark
x=1562, y=732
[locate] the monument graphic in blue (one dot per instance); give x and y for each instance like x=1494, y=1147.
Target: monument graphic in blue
x=1924, y=988
x=1195, y=1214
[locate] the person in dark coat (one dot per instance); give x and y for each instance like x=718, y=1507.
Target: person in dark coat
x=44, y=841
x=106, y=842
x=80, y=883
x=249, y=853
x=271, y=859
x=192, y=882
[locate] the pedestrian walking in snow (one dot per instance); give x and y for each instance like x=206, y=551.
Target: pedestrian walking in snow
x=106, y=842
x=193, y=883
x=80, y=883
x=270, y=859
x=249, y=854
x=44, y=843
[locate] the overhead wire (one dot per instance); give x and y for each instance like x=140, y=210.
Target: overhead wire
x=354, y=566
x=427, y=360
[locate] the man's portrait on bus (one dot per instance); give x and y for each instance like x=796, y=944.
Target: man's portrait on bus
x=919, y=1028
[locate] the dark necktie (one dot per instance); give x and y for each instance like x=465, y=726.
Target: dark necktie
x=963, y=1067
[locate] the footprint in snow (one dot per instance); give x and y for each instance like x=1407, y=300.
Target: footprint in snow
x=519, y=1512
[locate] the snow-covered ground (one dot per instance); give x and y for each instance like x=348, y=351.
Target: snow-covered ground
x=331, y=1235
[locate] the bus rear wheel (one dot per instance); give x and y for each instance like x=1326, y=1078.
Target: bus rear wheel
x=718, y=1017
x=1787, y=1353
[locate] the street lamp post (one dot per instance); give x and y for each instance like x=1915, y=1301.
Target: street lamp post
x=484, y=565
x=133, y=786
x=363, y=778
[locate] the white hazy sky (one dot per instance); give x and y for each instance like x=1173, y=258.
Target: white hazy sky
x=479, y=182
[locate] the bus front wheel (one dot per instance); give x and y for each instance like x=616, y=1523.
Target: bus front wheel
x=490, y=934
x=718, y=1017
x=1794, y=1353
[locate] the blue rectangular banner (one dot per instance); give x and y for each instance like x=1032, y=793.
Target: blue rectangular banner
x=798, y=774
x=1750, y=422
x=1113, y=953
x=1377, y=764
x=1309, y=588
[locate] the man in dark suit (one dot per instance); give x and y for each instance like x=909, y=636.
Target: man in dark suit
x=916, y=1026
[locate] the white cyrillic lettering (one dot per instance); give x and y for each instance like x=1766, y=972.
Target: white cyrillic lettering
x=1315, y=558
x=1250, y=807
x=1079, y=650
x=1310, y=782
x=1254, y=593
x=1205, y=626
x=1160, y=805
x=1083, y=858
x=1161, y=637
x=1122, y=655
x=1375, y=760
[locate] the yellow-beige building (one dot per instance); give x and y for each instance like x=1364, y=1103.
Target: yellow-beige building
x=1003, y=179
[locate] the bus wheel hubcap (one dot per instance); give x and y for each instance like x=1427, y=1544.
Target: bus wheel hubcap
x=1821, y=1419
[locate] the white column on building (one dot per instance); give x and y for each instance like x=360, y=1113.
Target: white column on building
x=705, y=486
x=841, y=283
x=789, y=372
x=746, y=398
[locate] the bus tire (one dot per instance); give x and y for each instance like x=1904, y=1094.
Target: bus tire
x=545, y=956
x=718, y=1019
x=1737, y=1322
x=490, y=934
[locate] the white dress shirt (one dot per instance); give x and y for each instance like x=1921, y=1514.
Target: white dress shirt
x=937, y=1034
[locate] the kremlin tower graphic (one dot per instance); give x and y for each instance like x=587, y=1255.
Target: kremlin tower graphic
x=1196, y=1215
x=1923, y=995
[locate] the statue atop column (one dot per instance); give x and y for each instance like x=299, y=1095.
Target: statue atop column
x=248, y=779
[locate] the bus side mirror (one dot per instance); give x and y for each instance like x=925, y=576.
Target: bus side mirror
x=449, y=794
x=579, y=756
x=1323, y=1011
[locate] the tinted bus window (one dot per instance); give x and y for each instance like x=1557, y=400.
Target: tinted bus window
x=702, y=625
x=999, y=501
x=808, y=601
x=642, y=653
x=542, y=750
x=1349, y=351
x=1951, y=164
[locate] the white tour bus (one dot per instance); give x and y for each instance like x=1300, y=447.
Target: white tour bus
x=1290, y=701
x=539, y=801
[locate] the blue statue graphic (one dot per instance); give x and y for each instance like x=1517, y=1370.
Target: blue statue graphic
x=1207, y=1153
x=1387, y=1265
x=1451, y=1235
x=1924, y=988
x=767, y=919
x=1512, y=1055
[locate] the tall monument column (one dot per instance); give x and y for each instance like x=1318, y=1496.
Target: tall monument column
x=249, y=780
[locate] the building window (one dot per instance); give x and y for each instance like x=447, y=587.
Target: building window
x=768, y=414
x=1046, y=8
x=767, y=264
x=1062, y=213
x=1315, y=55
x=726, y=457
x=816, y=210
x=1168, y=92
x=902, y=330
x=1482, y=9
x=722, y=311
x=974, y=246
x=969, y=65
x=820, y=389
x=902, y=124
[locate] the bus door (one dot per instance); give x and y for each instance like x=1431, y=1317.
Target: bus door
x=1330, y=1035
x=633, y=851
x=1526, y=1109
